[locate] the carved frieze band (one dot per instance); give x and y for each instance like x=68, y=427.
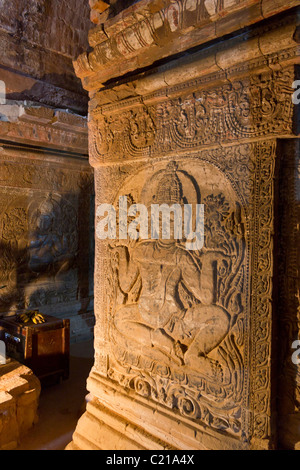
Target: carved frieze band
x=255, y=107
x=28, y=174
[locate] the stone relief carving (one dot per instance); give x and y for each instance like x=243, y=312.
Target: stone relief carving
x=53, y=236
x=176, y=321
x=231, y=391
x=254, y=107
x=39, y=259
x=133, y=131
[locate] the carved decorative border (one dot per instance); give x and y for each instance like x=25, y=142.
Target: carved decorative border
x=262, y=291
x=256, y=107
x=250, y=169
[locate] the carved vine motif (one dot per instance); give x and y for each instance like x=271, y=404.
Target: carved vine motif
x=258, y=106
x=177, y=316
x=132, y=131
x=262, y=288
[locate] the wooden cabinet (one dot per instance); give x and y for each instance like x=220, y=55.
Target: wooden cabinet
x=44, y=348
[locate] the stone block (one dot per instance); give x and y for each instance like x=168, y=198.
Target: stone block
x=19, y=398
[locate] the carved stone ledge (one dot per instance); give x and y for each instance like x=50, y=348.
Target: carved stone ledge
x=139, y=36
x=263, y=49
x=44, y=127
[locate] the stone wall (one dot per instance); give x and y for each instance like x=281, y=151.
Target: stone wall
x=46, y=184
x=187, y=342
x=38, y=40
x=46, y=217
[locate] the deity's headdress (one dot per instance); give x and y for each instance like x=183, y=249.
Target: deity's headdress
x=170, y=186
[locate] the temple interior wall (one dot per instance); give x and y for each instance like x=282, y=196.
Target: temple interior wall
x=46, y=183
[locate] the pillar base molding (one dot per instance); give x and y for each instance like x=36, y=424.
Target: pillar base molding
x=117, y=421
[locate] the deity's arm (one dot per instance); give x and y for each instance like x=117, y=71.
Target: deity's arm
x=200, y=281
x=56, y=243
x=128, y=270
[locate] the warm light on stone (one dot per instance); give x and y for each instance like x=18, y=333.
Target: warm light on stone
x=185, y=342
x=19, y=398
x=149, y=198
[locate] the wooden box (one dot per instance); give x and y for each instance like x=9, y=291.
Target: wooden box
x=44, y=348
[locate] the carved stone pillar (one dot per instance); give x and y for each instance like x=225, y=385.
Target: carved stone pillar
x=185, y=340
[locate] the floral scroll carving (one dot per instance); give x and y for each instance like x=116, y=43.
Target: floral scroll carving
x=251, y=108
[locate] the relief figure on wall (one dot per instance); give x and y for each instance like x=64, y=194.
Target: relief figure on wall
x=48, y=251
x=39, y=246
x=169, y=310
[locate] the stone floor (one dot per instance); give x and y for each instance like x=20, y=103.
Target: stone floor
x=61, y=405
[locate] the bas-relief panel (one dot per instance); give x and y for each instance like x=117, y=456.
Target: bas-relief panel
x=177, y=323
x=250, y=108
x=43, y=208
x=192, y=332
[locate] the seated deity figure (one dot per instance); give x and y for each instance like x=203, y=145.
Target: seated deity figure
x=154, y=320
x=47, y=251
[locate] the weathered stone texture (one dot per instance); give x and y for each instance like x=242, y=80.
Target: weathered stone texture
x=60, y=26
x=186, y=350
x=149, y=31
x=38, y=41
x=19, y=398
x=46, y=217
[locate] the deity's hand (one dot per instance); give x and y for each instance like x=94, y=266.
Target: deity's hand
x=117, y=244
x=115, y=260
x=179, y=352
